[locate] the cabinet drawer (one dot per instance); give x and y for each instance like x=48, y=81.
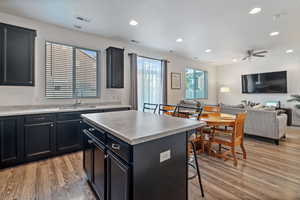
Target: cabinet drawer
x=96, y=133
x=32, y=119
x=122, y=149
x=68, y=116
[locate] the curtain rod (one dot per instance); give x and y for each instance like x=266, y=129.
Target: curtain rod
x=151, y=58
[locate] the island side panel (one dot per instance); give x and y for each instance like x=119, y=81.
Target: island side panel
x=153, y=179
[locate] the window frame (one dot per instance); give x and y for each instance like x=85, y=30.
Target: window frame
x=74, y=47
x=206, y=83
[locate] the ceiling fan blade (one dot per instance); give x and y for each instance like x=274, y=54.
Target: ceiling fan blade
x=260, y=52
x=258, y=55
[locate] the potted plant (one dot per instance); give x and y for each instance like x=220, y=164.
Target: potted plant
x=295, y=98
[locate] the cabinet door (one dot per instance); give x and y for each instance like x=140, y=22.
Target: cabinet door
x=11, y=140
x=99, y=170
x=68, y=136
x=39, y=140
x=115, y=67
x=88, y=157
x=17, y=56
x=118, y=181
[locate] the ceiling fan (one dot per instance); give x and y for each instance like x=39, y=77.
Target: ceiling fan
x=252, y=53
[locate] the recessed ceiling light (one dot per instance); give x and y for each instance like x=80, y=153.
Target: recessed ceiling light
x=234, y=60
x=289, y=51
x=133, y=23
x=274, y=33
x=208, y=50
x=255, y=11
x=179, y=40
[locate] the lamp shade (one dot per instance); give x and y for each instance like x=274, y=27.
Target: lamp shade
x=224, y=89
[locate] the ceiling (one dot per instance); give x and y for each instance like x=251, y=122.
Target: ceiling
x=221, y=25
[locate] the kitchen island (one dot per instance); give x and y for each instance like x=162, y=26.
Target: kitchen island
x=131, y=155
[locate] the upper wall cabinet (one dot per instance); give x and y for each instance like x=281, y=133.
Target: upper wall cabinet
x=16, y=55
x=115, y=67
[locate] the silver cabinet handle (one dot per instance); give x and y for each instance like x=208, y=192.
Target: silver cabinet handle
x=91, y=129
x=90, y=141
x=115, y=146
x=52, y=125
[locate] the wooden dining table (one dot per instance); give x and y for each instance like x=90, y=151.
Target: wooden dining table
x=218, y=120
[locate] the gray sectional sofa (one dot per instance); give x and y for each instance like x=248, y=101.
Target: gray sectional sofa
x=264, y=123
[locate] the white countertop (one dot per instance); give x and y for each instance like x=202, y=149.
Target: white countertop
x=136, y=127
x=14, y=111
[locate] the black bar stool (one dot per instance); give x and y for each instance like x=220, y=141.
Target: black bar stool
x=194, y=112
x=150, y=106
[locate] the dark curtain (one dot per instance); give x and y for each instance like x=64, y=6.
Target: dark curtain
x=165, y=81
x=133, y=78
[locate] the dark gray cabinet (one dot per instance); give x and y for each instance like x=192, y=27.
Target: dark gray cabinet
x=39, y=140
x=88, y=155
x=16, y=55
x=118, y=181
x=33, y=137
x=99, y=170
x=106, y=171
x=68, y=135
x=11, y=137
x=114, y=67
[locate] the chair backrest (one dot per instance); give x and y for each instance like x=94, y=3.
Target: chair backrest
x=166, y=109
x=239, y=125
x=150, y=106
x=212, y=108
x=187, y=112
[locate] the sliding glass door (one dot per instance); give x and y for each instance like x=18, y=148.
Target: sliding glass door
x=150, y=81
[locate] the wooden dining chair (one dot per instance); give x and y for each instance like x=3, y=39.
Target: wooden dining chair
x=216, y=109
x=166, y=109
x=150, y=107
x=231, y=139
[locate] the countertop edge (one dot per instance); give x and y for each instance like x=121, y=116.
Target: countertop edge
x=55, y=110
x=143, y=139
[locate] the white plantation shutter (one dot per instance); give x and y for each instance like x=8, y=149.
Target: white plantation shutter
x=70, y=72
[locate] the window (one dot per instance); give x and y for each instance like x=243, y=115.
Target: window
x=150, y=81
x=196, y=84
x=71, y=72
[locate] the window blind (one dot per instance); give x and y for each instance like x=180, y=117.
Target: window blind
x=71, y=72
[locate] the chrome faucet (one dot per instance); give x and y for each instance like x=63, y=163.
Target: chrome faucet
x=77, y=100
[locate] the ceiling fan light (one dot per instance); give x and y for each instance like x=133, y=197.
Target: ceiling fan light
x=274, y=33
x=255, y=11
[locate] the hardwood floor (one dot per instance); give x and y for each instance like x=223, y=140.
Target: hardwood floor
x=270, y=172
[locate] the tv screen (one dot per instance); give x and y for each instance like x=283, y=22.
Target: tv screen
x=273, y=82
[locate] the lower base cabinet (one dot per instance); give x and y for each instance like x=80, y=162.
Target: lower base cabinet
x=69, y=137
x=11, y=141
x=117, y=179
x=106, y=173
x=39, y=140
x=33, y=137
x=100, y=170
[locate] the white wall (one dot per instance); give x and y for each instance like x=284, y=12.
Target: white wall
x=13, y=95
x=230, y=75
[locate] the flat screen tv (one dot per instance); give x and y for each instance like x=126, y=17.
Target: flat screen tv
x=272, y=82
